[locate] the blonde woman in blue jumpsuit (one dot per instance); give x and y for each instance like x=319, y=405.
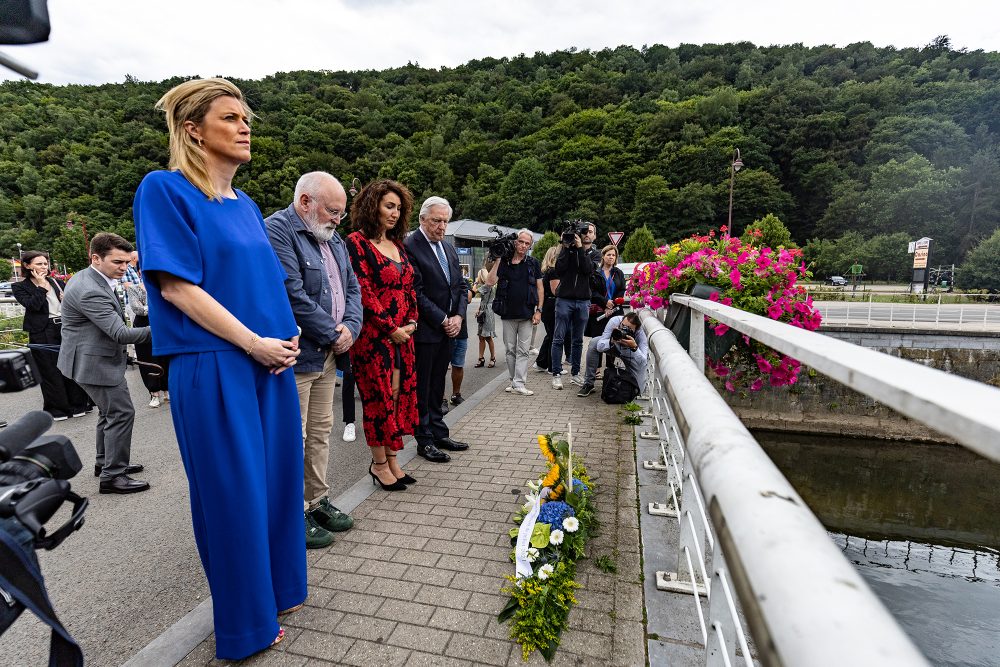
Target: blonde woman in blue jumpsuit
x=218, y=308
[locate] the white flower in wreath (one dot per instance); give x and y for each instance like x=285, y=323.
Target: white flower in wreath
x=556, y=537
x=571, y=524
x=532, y=554
x=531, y=498
x=545, y=571
x=534, y=486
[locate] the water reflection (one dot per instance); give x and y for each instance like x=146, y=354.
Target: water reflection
x=921, y=523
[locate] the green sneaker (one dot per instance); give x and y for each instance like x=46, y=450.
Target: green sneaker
x=331, y=518
x=317, y=537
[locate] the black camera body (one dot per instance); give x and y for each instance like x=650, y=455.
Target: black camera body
x=34, y=468
x=621, y=332
x=502, y=247
x=571, y=230
x=17, y=370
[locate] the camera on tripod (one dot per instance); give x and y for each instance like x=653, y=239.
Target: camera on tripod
x=502, y=247
x=34, y=468
x=571, y=230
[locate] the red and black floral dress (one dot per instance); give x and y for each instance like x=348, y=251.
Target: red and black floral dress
x=389, y=303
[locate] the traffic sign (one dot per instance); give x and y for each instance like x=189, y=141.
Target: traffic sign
x=615, y=237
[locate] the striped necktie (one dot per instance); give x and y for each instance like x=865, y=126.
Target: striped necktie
x=442, y=260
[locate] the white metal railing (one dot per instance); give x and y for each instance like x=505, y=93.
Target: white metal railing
x=940, y=314
x=804, y=602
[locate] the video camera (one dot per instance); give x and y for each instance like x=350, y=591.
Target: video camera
x=34, y=468
x=502, y=247
x=571, y=230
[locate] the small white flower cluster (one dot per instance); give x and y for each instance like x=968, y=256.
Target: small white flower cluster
x=545, y=571
x=532, y=554
x=571, y=524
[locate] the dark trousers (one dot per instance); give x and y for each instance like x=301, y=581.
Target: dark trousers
x=347, y=387
x=61, y=397
x=114, y=426
x=544, y=359
x=432, y=367
x=154, y=380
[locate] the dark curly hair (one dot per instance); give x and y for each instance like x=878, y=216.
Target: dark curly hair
x=364, y=209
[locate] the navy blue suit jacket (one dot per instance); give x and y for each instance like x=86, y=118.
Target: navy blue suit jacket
x=437, y=298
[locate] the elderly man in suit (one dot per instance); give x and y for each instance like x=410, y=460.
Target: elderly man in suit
x=93, y=353
x=442, y=298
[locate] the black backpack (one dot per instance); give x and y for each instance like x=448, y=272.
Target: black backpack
x=619, y=386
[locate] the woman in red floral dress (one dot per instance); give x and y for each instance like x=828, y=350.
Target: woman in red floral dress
x=382, y=357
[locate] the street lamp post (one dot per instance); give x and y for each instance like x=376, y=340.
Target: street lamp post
x=733, y=168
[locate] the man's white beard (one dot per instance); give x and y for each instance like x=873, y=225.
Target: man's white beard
x=321, y=232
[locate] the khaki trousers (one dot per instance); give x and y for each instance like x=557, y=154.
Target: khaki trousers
x=316, y=404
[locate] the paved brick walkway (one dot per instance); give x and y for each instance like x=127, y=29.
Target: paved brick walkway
x=417, y=580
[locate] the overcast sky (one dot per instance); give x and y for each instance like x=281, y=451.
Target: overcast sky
x=99, y=41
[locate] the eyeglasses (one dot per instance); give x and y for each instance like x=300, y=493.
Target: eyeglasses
x=334, y=213
x=438, y=221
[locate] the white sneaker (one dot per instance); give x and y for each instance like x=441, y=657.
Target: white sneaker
x=154, y=402
x=564, y=372
x=522, y=391
x=577, y=380
x=539, y=369
x=350, y=434
x=557, y=382
x=533, y=351
x=507, y=388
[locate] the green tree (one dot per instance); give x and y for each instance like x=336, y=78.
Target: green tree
x=981, y=268
x=640, y=246
x=6, y=269
x=769, y=232
x=548, y=240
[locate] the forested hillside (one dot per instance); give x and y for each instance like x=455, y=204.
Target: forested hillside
x=834, y=140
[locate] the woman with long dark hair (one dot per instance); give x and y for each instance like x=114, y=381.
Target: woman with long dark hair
x=41, y=295
x=383, y=356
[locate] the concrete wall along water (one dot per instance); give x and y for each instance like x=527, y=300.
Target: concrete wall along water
x=819, y=405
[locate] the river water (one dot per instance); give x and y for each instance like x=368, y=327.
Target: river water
x=920, y=522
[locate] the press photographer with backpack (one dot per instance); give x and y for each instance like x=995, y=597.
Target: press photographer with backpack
x=623, y=338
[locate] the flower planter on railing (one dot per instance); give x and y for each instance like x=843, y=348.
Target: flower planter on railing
x=739, y=274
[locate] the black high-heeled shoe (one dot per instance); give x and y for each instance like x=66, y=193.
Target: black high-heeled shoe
x=395, y=486
x=405, y=479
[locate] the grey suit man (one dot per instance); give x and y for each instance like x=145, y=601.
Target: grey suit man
x=93, y=353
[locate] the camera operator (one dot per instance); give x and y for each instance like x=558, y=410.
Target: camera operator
x=518, y=302
x=574, y=269
x=623, y=337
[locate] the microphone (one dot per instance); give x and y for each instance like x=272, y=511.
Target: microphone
x=619, y=302
x=23, y=432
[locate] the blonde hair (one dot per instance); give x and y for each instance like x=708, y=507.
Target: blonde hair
x=551, y=255
x=189, y=101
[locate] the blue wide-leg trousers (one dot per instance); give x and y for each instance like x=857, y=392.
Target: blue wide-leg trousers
x=240, y=438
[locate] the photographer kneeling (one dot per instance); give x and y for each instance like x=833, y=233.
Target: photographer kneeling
x=518, y=300
x=623, y=337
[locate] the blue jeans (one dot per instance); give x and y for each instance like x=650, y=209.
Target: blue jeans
x=571, y=320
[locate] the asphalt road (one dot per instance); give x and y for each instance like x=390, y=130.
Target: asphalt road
x=837, y=312
x=132, y=571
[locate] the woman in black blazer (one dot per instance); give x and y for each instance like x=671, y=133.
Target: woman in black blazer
x=41, y=296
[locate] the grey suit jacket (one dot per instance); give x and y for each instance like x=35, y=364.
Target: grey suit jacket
x=94, y=333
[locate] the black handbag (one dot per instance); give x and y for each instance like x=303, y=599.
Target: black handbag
x=619, y=386
x=481, y=316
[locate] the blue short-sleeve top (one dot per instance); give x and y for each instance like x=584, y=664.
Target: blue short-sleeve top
x=220, y=246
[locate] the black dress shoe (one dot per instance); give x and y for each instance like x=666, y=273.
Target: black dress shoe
x=123, y=484
x=129, y=469
x=433, y=454
x=451, y=445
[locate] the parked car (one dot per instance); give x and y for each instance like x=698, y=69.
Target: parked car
x=5, y=289
x=837, y=281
